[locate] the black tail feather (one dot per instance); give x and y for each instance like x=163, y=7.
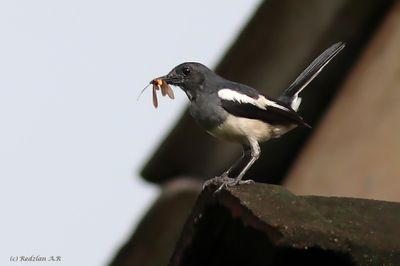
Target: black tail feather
x=290, y=94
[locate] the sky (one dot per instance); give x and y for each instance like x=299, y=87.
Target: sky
x=73, y=136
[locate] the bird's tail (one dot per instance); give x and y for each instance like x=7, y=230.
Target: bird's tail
x=291, y=94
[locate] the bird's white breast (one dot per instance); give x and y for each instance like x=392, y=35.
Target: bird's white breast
x=242, y=129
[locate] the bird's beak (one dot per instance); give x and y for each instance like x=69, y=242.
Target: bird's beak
x=172, y=79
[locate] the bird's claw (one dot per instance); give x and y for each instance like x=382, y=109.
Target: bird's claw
x=226, y=182
x=233, y=182
x=246, y=182
x=216, y=180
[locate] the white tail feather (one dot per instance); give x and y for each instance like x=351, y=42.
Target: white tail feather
x=295, y=104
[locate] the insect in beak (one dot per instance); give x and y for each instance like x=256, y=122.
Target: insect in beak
x=159, y=84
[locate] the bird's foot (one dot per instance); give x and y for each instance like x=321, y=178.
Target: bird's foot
x=225, y=182
x=246, y=182
x=217, y=180
x=231, y=182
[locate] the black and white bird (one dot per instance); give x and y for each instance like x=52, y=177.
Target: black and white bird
x=239, y=113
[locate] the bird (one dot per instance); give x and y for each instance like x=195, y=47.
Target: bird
x=239, y=113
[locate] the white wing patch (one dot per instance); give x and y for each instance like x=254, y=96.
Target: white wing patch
x=274, y=104
x=261, y=102
x=231, y=95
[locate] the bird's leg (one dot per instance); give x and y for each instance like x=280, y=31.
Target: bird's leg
x=246, y=152
x=224, y=177
x=255, y=154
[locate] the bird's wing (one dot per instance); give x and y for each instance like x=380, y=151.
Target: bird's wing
x=258, y=107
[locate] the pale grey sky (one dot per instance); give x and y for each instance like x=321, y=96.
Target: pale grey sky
x=72, y=135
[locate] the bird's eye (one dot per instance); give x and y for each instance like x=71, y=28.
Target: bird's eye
x=186, y=71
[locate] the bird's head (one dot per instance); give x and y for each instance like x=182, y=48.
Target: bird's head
x=190, y=77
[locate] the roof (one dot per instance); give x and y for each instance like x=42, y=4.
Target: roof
x=264, y=224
